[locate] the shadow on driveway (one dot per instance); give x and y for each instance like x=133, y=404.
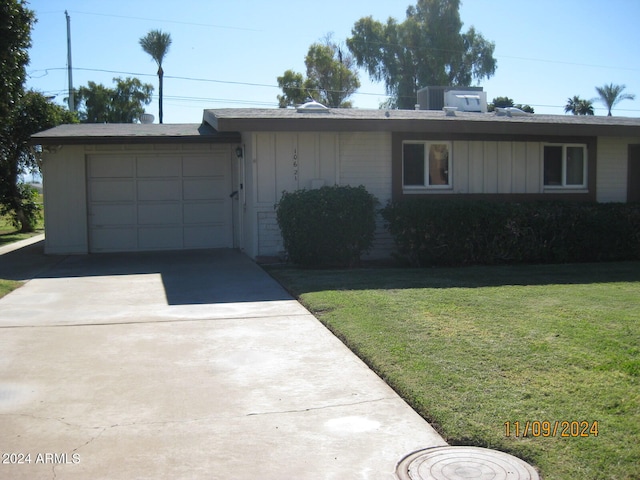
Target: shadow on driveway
x=193, y=277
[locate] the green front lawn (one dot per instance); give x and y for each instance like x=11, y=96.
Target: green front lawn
x=475, y=350
x=7, y=286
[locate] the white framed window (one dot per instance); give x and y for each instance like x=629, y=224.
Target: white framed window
x=426, y=165
x=565, y=166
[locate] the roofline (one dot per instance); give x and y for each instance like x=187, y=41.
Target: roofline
x=221, y=137
x=456, y=125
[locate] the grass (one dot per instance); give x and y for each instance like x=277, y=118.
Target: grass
x=473, y=348
x=9, y=234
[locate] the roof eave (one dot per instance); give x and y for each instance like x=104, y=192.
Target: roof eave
x=460, y=126
x=221, y=137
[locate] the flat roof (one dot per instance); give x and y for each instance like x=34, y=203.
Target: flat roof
x=353, y=119
x=111, y=133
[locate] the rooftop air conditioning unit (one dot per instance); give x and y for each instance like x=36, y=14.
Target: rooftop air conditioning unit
x=466, y=101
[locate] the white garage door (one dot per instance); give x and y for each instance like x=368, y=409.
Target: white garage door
x=159, y=202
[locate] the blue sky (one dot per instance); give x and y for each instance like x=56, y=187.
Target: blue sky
x=229, y=53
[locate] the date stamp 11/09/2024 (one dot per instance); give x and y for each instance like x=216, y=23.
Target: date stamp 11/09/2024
x=554, y=428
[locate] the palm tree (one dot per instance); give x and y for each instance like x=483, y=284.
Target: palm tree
x=612, y=94
x=579, y=106
x=156, y=43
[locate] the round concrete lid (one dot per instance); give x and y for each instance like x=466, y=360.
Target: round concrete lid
x=464, y=463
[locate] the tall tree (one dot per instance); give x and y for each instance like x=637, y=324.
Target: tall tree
x=16, y=21
x=156, y=43
x=331, y=77
x=122, y=104
x=579, y=106
x=427, y=48
x=612, y=94
x=31, y=114
x=21, y=114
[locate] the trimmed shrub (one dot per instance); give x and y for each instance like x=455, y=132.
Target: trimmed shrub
x=464, y=232
x=327, y=226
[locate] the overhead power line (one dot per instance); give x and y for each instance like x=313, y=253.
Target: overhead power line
x=230, y=82
x=128, y=17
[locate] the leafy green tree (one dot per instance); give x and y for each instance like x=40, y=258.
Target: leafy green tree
x=612, y=94
x=122, y=104
x=579, y=106
x=331, y=78
x=156, y=43
x=427, y=48
x=500, y=102
x=295, y=89
x=31, y=114
x=16, y=21
x=21, y=114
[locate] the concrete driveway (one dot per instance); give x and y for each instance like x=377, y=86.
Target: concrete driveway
x=183, y=365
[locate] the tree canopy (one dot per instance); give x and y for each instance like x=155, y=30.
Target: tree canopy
x=579, y=106
x=16, y=22
x=32, y=113
x=122, y=104
x=21, y=115
x=331, y=78
x=427, y=48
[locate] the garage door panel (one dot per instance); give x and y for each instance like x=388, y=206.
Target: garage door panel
x=159, y=190
x=114, y=239
x=160, y=201
x=207, y=212
x=209, y=236
x=204, y=188
x=159, y=238
x=158, y=167
x=113, y=214
x=109, y=166
x=160, y=214
x=112, y=191
x=203, y=167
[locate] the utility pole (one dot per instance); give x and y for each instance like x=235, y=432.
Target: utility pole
x=72, y=103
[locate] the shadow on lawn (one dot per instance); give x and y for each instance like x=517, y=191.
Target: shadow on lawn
x=304, y=280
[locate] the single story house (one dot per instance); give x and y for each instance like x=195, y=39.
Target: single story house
x=136, y=187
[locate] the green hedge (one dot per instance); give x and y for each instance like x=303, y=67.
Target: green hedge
x=463, y=232
x=327, y=226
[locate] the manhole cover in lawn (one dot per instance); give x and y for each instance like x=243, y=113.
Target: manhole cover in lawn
x=464, y=463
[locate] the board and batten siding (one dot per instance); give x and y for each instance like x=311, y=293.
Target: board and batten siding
x=365, y=159
x=491, y=167
x=284, y=161
x=612, y=168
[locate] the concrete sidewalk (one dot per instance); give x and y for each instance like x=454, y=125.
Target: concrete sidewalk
x=186, y=365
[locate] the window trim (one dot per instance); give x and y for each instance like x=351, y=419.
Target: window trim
x=585, y=167
x=426, y=186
